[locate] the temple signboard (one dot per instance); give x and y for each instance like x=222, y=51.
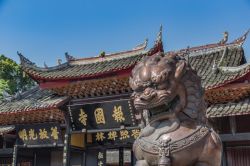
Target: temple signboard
x=102, y=115
x=112, y=137
x=39, y=134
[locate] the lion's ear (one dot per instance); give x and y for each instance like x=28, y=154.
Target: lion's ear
x=180, y=69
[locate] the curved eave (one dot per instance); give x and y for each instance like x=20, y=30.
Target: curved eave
x=41, y=74
x=242, y=39
x=28, y=109
x=32, y=100
x=126, y=59
x=229, y=109
x=37, y=116
x=82, y=77
x=236, y=74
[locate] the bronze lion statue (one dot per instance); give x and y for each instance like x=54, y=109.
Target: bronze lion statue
x=170, y=99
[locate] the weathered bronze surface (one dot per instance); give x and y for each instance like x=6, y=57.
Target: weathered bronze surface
x=169, y=97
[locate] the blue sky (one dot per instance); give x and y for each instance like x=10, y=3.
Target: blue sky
x=43, y=30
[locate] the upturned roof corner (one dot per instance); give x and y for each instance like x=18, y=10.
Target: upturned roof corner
x=242, y=38
x=142, y=46
x=158, y=45
x=24, y=61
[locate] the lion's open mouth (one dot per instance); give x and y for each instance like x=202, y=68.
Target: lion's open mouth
x=154, y=104
x=167, y=107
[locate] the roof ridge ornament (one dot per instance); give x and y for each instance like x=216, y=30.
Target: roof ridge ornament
x=187, y=53
x=242, y=39
x=102, y=54
x=159, y=36
x=225, y=38
x=142, y=45
x=7, y=97
x=146, y=43
x=45, y=65
x=24, y=60
x=69, y=57
x=158, y=46
x=59, y=62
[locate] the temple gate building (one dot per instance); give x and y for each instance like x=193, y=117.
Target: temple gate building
x=81, y=114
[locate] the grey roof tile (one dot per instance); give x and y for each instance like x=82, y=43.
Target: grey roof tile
x=33, y=100
x=229, y=109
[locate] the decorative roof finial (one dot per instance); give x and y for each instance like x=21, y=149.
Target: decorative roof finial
x=187, y=52
x=45, y=65
x=225, y=38
x=143, y=45
x=69, y=57
x=158, y=46
x=6, y=96
x=245, y=34
x=159, y=36
x=102, y=54
x=146, y=42
x=59, y=61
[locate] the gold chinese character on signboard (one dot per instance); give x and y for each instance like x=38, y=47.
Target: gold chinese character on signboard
x=100, y=136
x=124, y=134
x=118, y=114
x=23, y=134
x=32, y=134
x=99, y=116
x=43, y=134
x=54, y=133
x=83, y=117
x=100, y=155
x=100, y=163
x=135, y=133
x=112, y=135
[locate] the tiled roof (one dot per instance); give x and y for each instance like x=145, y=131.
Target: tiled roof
x=218, y=68
x=74, y=71
x=229, y=109
x=91, y=67
x=216, y=64
x=35, y=99
x=210, y=47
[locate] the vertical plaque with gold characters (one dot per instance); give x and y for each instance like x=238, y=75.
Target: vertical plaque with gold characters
x=39, y=134
x=101, y=158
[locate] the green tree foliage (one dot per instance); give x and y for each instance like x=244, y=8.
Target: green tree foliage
x=12, y=78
